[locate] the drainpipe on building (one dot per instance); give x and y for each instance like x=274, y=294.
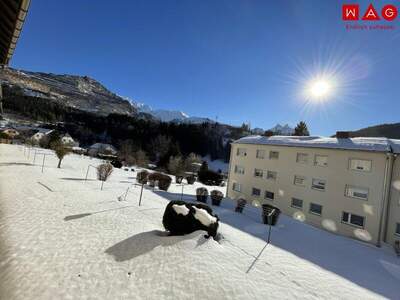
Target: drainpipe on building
x=229, y=171
x=385, y=199
x=386, y=224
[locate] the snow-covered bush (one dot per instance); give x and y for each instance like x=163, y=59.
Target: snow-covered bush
x=202, y=194
x=142, y=177
x=216, y=197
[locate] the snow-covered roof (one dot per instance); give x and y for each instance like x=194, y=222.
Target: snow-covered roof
x=379, y=144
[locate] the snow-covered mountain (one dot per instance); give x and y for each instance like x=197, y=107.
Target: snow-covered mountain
x=282, y=130
x=165, y=115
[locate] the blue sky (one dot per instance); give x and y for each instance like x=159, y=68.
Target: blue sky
x=243, y=61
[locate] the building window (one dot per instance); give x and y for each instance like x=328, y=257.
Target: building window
x=315, y=209
x=297, y=203
x=357, y=192
x=241, y=152
x=360, y=165
x=237, y=187
x=299, y=180
x=302, y=158
x=321, y=160
x=273, y=154
x=398, y=228
x=269, y=195
x=318, y=184
x=260, y=154
x=272, y=175
x=353, y=219
x=258, y=173
x=256, y=192
x=239, y=170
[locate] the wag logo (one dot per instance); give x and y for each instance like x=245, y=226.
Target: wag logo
x=353, y=12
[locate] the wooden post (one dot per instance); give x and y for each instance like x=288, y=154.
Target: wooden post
x=182, y=192
x=141, y=193
x=87, y=172
x=34, y=157
x=44, y=157
x=102, y=182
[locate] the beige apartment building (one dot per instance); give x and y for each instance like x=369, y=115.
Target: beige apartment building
x=349, y=186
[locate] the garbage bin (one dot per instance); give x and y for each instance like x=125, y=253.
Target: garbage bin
x=270, y=214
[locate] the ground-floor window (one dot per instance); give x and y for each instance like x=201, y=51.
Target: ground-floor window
x=255, y=192
x=315, y=209
x=353, y=219
x=269, y=195
x=237, y=187
x=398, y=228
x=297, y=203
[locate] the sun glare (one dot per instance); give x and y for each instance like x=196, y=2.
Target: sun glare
x=319, y=90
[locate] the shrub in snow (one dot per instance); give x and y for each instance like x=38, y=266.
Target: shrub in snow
x=116, y=163
x=241, y=203
x=191, y=179
x=183, y=218
x=103, y=172
x=60, y=150
x=216, y=197
x=178, y=179
x=210, y=177
x=202, y=194
x=142, y=177
x=164, y=182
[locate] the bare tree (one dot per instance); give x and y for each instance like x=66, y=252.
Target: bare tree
x=141, y=158
x=103, y=172
x=176, y=165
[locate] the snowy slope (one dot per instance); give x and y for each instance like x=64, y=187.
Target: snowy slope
x=62, y=238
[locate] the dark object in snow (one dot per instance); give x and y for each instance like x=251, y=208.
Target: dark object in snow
x=210, y=177
x=116, y=163
x=142, y=177
x=164, y=182
x=178, y=179
x=241, y=203
x=183, y=218
x=270, y=214
x=216, y=197
x=202, y=194
x=191, y=179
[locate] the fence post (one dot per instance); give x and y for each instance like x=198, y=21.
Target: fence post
x=44, y=157
x=141, y=192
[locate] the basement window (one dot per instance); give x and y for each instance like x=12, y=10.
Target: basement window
x=398, y=229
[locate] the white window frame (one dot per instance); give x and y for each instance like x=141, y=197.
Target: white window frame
x=252, y=192
x=348, y=222
x=295, y=206
x=313, y=212
x=272, y=154
x=348, y=187
x=236, y=184
x=273, y=195
x=241, y=152
x=239, y=170
x=300, y=177
x=272, y=172
x=316, y=162
x=360, y=170
x=260, y=156
x=300, y=158
x=313, y=186
x=397, y=229
x=258, y=171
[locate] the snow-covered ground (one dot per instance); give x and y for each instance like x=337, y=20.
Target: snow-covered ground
x=63, y=238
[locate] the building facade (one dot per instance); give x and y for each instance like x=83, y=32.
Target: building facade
x=346, y=186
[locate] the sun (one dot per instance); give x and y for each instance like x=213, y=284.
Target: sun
x=320, y=89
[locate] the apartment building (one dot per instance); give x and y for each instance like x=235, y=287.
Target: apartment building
x=349, y=186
